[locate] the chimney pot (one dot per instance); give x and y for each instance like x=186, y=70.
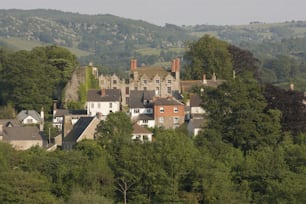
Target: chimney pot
x=204, y=79
x=103, y=92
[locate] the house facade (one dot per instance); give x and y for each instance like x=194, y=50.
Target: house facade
x=21, y=138
x=84, y=129
x=141, y=134
x=168, y=112
x=102, y=102
x=163, y=82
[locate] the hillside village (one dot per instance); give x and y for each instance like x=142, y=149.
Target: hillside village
x=153, y=97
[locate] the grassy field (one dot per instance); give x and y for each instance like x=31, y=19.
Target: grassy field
x=22, y=44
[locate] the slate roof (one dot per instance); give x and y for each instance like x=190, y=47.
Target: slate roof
x=167, y=101
x=25, y=113
x=195, y=100
x=110, y=95
x=145, y=117
x=137, y=129
x=186, y=85
x=63, y=112
x=137, y=98
x=197, y=123
x=21, y=133
x=78, y=129
x=10, y=122
x=151, y=72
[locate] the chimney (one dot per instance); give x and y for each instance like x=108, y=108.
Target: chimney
x=103, y=92
x=291, y=87
x=177, y=64
x=173, y=68
x=1, y=132
x=214, y=78
x=42, y=118
x=133, y=64
x=204, y=79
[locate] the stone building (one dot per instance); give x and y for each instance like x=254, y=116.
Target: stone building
x=163, y=82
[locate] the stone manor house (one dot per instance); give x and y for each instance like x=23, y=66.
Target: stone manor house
x=163, y=82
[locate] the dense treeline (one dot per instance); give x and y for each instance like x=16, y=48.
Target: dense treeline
x=242, y=156
x=32, y=79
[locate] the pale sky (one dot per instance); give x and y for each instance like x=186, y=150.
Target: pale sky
x=179, y=12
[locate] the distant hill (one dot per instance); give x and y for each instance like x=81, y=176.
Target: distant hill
x=106, y=39
x=110, y=41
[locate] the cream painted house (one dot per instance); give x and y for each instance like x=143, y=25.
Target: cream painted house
x=102, y=102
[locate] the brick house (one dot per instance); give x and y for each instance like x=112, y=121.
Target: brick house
x=168, y=112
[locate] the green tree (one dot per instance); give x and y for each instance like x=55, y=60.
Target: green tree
x=237, y=112
x=208, y=55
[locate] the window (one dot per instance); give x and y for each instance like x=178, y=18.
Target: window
x=114, y=87
x=175, y=120
x=161, y=110
x=161, y=119
x=157, y=91
x=169, y=90
x=30, y=120
x=114, y=81
x=157, y=81
x=145, y=81
x=144, y=88
x=169, y=81
x=92, y=105
x=127, y=90
x=144, y=121
x=136, y=110
x=175, y=109
x=110, y=105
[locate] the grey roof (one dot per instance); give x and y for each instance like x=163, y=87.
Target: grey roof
x=110, y=95
x=197, y=123
x=25, y=113
x=21, y=133
x=138, y=97
x=186, y=85
x=195, y=100
x=78, y=129
x=145, y=117
x=140, y=130
x=63, y=112
x=10, y=122
x=167, y=101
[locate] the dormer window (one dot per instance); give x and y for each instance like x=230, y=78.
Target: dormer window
x=145, y=81
x=114, y=81
x=169, y=81
x=157, y=81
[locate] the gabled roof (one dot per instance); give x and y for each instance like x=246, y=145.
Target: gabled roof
x=21, y=133
x=137, y=129
x=110, y=95
x=78, y=129
x=169, y=101
x=151, y=72
x=195, y=100
x=25, y=113
x=10, y=122
x=137, y=98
